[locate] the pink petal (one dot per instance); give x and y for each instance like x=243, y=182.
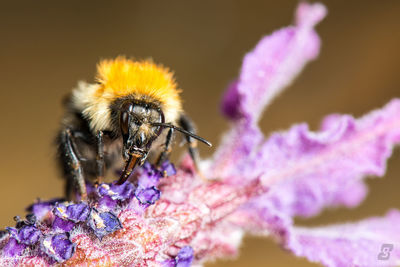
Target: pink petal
x=236, y=147
x=266, y=71
x=273, y=64
x=307, y=171
x=371, y=242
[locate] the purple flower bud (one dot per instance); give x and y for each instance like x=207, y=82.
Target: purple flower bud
x=150, y=170
x=61, y=224
x=167, y=169
x=29, y=235
x=41, y=209
x=231, y=102
x=150, y=176
x=107, y=202
x=168, y=263
x=184, y=257
x=58, y=247
x=117, y=192
x=103, y=223
x=147, y=195
x=74, y=212
x=13, y=248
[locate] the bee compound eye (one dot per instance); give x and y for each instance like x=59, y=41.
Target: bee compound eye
x=124, y=123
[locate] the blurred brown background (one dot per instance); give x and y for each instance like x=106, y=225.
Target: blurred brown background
x=46, y=47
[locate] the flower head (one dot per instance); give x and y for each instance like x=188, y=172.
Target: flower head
x=172, y=217
x=58, y=247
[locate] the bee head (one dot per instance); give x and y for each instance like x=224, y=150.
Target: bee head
x=137, y=128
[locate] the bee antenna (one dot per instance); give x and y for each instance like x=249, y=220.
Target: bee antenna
x=169, y=125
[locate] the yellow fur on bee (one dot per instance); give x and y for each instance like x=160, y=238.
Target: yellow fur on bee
x=123, y=77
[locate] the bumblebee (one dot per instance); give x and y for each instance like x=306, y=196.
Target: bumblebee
x=117, y=123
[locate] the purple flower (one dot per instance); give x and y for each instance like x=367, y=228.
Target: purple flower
x=150, y=176
x=184, y=257
x=167, y=169
x=117, y=192
x=73, y=212
x=256, y=185
x=107, y=203
x=28, y=235
x=64, y=225
x=356, y=243
x=103, y=223
x=112, y=194
x=58, y=247
x=66, y=216
x=25, y=234
x=13, y=248
x=147, y=195
x=146, y=191
x=42, y=209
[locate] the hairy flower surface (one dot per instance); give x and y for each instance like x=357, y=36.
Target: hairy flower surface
x=173, y=217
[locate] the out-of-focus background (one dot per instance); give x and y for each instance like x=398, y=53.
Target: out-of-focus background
x=47, y=46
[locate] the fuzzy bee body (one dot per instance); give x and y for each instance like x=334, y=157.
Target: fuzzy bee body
x=118, y=122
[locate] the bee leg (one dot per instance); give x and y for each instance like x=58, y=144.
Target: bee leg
x=69, y=188
x=186, y=123
x=167, y=148
x=73, y=164
x=100, y=157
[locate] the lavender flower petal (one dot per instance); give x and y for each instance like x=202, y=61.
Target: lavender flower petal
x=371, y=242
x=74, y=212
x=273, y=64
x=107, y=203
x=29, y=235
x=103, y=223
x=42, y=209
x=150, y=176
x=117, y=192
x=147, y=195
x=231, y=101
x=26, y=234
x=68, y=215
x=78, y=212
x=146, y=192
x=13, y=248
x=167, y=169
x=58, y=247
x=236, y=147
x=266, y=71
x=308, y=171
x=64, y=225
x=184, y=257
x=168, y=263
